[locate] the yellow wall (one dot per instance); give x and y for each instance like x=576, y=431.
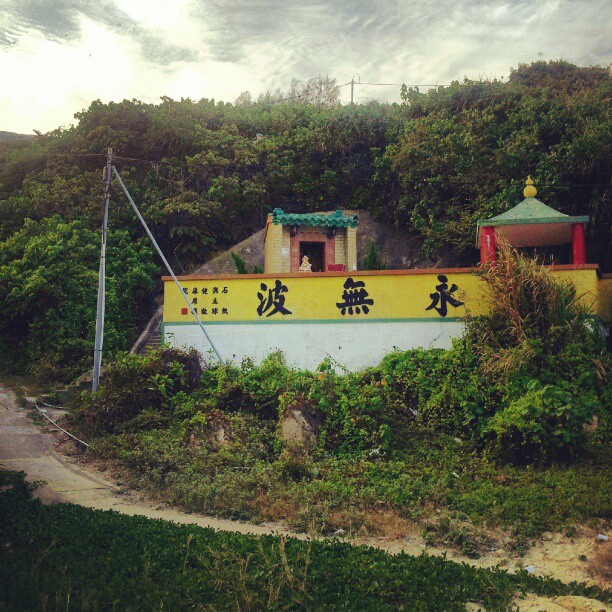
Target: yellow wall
x=315, y=297
x=395, y=295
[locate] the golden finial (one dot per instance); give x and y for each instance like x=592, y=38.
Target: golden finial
x=530, y=191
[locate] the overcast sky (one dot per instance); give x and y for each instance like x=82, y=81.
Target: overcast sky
x=56, y=56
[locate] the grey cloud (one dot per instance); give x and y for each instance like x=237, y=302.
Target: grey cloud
x=59, y=20
x=381, y=39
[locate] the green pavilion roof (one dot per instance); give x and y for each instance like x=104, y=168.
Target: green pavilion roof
x=531, y=223
x=531, y=210
x=335, y=219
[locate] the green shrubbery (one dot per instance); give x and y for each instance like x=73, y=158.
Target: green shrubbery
x=540, y=352
x=48, y=283
x=425, y=427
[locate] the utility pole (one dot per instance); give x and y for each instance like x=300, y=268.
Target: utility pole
x=353, y=85
x=102, y=275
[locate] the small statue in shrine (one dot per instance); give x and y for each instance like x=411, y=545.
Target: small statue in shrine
x=306, y=265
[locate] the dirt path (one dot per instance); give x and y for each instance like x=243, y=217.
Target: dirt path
x=26, y=447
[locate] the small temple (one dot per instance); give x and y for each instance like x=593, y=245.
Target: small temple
x=532, y=223
x=327, y=242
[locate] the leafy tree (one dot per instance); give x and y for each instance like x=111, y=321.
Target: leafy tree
x=48, y=287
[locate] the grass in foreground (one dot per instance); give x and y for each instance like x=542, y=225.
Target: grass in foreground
x=68, y=557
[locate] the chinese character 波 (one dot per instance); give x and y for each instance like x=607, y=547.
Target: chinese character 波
x=274, y=301
x=355, y=298
x=443, y=296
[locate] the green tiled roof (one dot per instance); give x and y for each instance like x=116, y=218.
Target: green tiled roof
x=335, y=219
x=531, y=210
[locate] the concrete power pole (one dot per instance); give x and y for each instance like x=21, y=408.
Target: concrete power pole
x=102, y=275
x=353, y=81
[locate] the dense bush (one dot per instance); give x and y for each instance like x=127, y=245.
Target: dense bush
x=540, y=349
x=138, y=393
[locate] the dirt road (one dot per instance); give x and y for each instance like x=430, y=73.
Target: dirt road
x=26, y=447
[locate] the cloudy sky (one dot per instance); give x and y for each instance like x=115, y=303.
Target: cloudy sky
x=56, y=56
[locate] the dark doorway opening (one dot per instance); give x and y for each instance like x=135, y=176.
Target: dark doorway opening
x=315, y=251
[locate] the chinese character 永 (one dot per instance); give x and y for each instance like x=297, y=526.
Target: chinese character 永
x=355, y=298
x=443, y=296
x=274, y=301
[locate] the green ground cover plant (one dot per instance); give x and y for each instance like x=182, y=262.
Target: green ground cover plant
x=72, y=558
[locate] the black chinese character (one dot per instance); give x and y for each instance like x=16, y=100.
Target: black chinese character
x=355, y=298
x=215, y=301
x=204, y=311
x=215, y=289
x=204, y=290
x=215, y=311
x=195, y=300
x=224, y=311
x=274, y=301
x=194, y=290
x=224, y=290
x=443, y=295
x=185, y=290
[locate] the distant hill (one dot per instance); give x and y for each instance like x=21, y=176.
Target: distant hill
x=14, y=136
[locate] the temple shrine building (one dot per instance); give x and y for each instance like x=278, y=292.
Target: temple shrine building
x=328, y=240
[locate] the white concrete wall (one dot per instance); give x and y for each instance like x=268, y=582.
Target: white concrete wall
x=355, y=345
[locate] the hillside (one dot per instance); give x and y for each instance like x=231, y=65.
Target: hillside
x=10, y=136
x=430, y=167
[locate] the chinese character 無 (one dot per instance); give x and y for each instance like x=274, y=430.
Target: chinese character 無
x=355, y=297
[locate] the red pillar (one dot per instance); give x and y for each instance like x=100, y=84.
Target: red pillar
x=578, y=244
x=487, y=248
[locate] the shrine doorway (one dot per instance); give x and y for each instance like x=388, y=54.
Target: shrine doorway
x=315, y=251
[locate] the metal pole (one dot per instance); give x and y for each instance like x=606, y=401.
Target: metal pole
x=352, y=88
x=102, y=276
x=159, y=251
